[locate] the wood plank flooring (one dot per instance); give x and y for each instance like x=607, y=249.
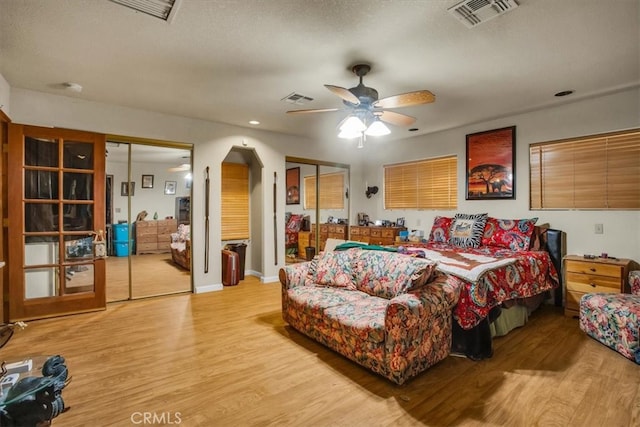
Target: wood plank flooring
x=227, y=359
x=151, y=274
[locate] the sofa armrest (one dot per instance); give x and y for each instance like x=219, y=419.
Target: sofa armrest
x=295, y=275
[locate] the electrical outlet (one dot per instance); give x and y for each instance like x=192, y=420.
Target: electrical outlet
x=599, y=229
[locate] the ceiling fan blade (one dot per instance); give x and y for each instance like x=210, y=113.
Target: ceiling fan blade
x=344, y=94
x=396, y=119
x=321, y=110
x=406, y=99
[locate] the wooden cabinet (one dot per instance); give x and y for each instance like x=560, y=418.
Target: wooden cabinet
x=592, y=275
x=154, y=236
x=303, y=242
x=374, y=235
x=328, y=231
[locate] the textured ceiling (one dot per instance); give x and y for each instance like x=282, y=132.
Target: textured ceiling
x=232, y=61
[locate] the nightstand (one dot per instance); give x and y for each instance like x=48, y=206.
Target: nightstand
x=584, y=275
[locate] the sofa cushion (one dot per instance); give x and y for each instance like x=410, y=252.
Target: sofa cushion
x=514, y=234
x=334, y=269
x=388, y=274
x=363, y=318
x=467, y=230
x=314, y=300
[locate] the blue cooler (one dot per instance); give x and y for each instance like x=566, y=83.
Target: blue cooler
x=122, y=247
x=120, y=233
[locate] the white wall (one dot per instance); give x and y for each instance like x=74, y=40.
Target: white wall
x=212, y=142
x=607, y=113
x=5, y=96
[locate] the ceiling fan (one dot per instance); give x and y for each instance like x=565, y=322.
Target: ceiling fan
x=364, y=105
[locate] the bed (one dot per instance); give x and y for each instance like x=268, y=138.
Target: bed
x=506, y=270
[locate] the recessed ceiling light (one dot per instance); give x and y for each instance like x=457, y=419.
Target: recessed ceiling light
x=254, y=122
x=564, y=93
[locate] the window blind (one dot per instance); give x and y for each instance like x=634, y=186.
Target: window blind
x=235, y=201
x=593, y=172
x=422, y=184
x=331, y=191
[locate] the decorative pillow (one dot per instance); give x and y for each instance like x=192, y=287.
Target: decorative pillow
x=538, y=240
x=514, y=234
x=389, y=274
x=334, y=269
x=467, y=229
x=441, y=229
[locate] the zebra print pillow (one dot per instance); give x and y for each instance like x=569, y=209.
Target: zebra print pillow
x=467, y=230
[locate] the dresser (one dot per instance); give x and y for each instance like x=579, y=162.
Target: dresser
x=592, y=275
x=328, y=231
x=374, y=235
x=154, y=236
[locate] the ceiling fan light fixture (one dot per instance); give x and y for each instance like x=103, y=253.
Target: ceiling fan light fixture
x=353, y=124
x=348, y=134
x=377, y=128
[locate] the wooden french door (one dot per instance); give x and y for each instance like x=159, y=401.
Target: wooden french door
x=56, y=195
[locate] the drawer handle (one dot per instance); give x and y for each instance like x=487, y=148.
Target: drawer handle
x=593, y=285
x=592, y=269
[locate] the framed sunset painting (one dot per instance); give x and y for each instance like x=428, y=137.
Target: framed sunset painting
x=490, y=169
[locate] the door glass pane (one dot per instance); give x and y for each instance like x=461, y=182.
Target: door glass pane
x=41, y=282
x=41, y=250
x=78, y=186
x=40, y=152
x=40, y=217
x=78, y=155
x=78, y=217
x=79, y=278
x=40, y=184
x=78, y=248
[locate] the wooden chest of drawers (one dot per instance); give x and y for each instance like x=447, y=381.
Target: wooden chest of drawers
x=328, y=231
x=154, y=236
x=374, y=235
x=592, y=275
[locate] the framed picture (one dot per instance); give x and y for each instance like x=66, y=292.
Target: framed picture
x=400, y=222
x=490, y=172
x=169, y=187
x=127, y=188
x=293, y=186
x=147, y=181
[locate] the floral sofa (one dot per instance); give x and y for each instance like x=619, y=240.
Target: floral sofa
x=181, y=247
x=614, y=319
x=389, y=312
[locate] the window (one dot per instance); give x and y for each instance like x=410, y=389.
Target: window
x=423, y=184
x=331, y=191
x=593, y=172
x=235, y=201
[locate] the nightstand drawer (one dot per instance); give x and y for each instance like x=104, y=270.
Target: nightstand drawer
x=585, y=267
x=592, y=281
x=588, y=287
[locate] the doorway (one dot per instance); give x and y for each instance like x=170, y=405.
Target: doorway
x=150, y=209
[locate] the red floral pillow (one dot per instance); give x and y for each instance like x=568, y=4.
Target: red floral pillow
x=441, y=229
x=514, y=234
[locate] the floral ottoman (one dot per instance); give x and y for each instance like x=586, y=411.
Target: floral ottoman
x=613, y=319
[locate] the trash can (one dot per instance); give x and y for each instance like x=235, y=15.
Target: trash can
x=310, y=252
x=240, y=249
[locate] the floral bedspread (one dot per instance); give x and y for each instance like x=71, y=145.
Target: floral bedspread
x=531, y=274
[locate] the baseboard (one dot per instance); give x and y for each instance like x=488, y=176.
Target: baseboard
x=208, y=288
x=269, y=279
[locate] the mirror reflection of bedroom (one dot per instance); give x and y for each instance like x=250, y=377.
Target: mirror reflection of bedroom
x=310, y=184
x=148, y=220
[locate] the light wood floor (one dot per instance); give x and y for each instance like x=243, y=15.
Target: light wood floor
x=227, y=359
x=151, y=274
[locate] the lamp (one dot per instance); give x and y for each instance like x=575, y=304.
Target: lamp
x=353, y=124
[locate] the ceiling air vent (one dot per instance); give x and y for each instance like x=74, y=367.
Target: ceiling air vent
x=296, y=98
x=162, y=9
x=474, y=12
